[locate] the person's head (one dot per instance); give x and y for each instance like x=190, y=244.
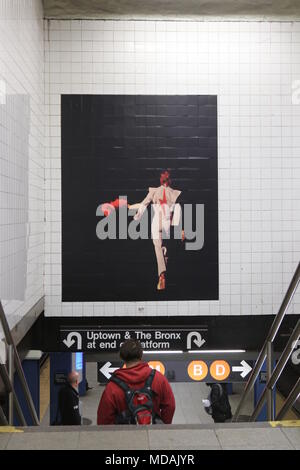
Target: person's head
x=165, y=178
x=213, y=384
x=73, y=379
x=131, y=352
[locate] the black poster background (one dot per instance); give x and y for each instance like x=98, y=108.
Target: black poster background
x=116, y=145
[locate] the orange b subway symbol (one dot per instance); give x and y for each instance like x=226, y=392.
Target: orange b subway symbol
x=197, y=370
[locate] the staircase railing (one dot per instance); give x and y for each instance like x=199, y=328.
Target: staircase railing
x=265, y=354
x=7, y=380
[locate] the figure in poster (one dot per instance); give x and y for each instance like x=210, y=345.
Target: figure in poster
x=167, y=213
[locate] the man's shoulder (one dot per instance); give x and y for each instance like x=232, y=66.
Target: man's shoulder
x=68, y=391
x=159, y=378
x=111, y=384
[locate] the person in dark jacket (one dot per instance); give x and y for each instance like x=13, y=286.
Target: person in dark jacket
x=68, y=401
x=135, y=374
x=219, y=403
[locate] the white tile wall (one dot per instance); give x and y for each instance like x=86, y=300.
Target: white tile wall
x=252, y=67
x=21, y=155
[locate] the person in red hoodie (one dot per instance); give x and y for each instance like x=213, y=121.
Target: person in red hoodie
x=135, y=374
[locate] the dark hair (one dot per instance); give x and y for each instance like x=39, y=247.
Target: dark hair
x=131, y=350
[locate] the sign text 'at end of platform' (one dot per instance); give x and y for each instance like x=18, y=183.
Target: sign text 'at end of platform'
x=110, y=340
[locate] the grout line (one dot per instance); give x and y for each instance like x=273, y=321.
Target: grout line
x=287, y=437
x=216, y=19
x=148, y=439
x=218, y=439
x=9, y=439
x=78, y=439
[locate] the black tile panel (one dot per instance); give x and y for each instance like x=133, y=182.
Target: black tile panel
x=118, y=145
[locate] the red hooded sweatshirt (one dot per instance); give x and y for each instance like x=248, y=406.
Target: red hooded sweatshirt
x=113, y=401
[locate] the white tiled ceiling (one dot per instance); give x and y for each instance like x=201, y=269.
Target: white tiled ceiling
x=171, y=8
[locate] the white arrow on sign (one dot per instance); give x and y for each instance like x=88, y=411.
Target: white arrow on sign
x=70, y=341
x=197, y=339
x=107, y=370
x=244, y=368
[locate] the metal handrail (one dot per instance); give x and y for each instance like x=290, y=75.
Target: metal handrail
x=18, y=366
x=270, y=339
x=10, y=354
x=291, y=399
x=9, y=388
x=288, y=350
x=270, y=404
x=3, y=420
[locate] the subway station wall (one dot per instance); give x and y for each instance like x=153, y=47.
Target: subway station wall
x=21, y=156
x=253, y=70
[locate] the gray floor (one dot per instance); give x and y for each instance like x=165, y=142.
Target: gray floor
x=192, y=428
x=188, y=396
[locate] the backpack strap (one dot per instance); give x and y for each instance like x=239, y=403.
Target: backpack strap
x=221, y=390
x=148, y=383
x=148, y=389
x=120, y=383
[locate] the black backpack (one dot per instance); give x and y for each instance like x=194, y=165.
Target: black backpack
x=139, y=403
x=221, y=409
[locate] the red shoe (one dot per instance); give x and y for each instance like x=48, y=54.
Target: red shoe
x=161, y=282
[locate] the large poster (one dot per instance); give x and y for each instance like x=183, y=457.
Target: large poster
x=139, y=198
